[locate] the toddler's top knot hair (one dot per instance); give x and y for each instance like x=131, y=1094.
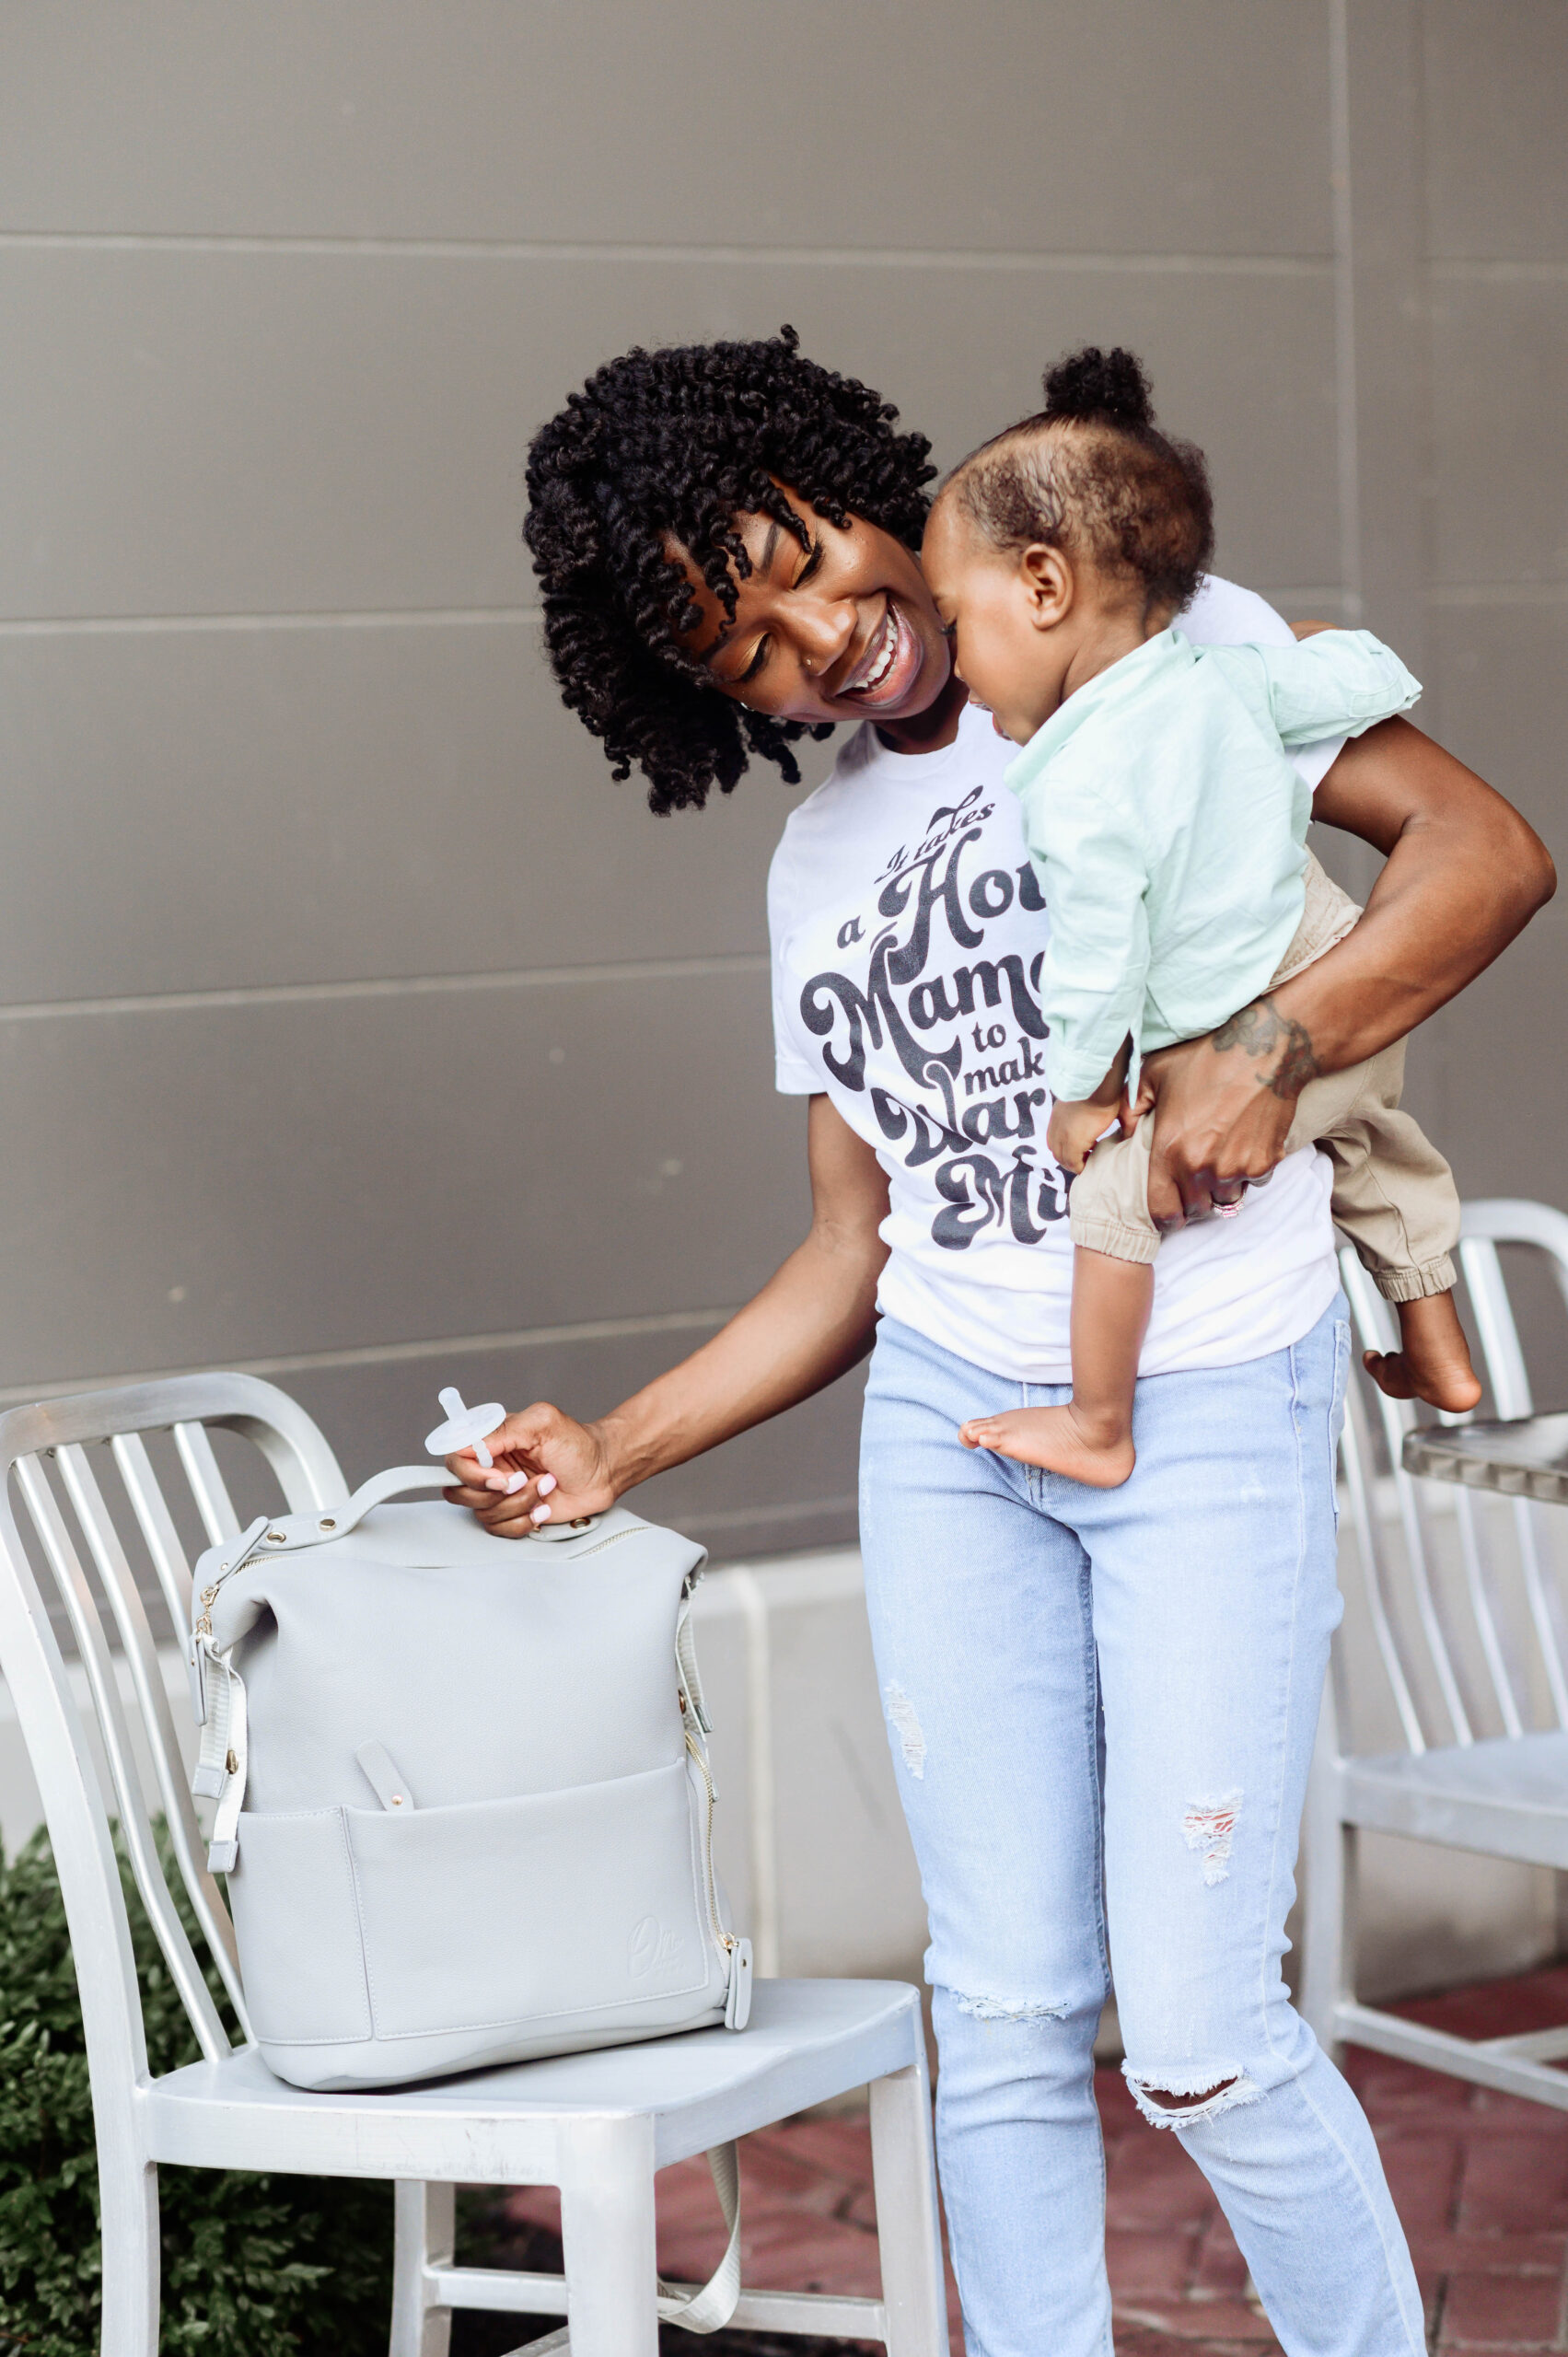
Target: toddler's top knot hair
x=1107, y=386
x=1092, y=473
x=1100, y=385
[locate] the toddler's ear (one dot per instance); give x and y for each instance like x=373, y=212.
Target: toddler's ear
x=1049, y=582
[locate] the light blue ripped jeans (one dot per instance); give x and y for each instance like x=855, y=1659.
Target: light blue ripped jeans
x=1102, y=1706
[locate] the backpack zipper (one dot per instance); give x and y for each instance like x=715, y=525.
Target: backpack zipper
x=600, y=1544
x=720, y=1935
x=247, y=1543
x=725, y=1943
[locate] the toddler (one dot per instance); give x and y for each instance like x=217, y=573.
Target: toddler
x=1170, y=829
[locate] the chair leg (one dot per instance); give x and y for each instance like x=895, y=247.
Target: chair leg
x=1329, y=1856
x=606, y=2228
x=128, y=2198
x=424, y=2235
x=915, y=2290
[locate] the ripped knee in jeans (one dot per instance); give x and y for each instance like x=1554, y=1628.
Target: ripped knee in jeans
x=1004, y=2009
x=1177, y=2098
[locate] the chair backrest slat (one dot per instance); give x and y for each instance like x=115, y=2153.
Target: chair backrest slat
x=85, y=1516
x=137, y=1640
x=208, y=1487
x=156, y=1526
x=1495, y=1325
x=1537, y=1597
x=1516, y=1634
x=1512, y=1396
x=1479, y=1582
x=135, y=1825
x=1355, y=1452
x=40, y=1687
x=1376, y=1322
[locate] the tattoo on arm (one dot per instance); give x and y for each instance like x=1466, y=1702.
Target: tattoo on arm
x=1260, y=1030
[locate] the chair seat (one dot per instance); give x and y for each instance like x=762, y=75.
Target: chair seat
x=807, y=2041
x=1507, y=1796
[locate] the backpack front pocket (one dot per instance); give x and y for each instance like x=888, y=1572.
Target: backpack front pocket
x=489, y=1915
x=526, y=1909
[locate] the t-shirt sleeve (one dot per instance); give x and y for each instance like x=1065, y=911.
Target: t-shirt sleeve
x=1224, y=614
x=793, y=1074
x=1343, y=681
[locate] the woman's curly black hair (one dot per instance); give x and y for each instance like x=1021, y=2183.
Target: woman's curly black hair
x=674, y=446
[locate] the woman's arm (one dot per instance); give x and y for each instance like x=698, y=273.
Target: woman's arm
x=1464, y=875
x=809, y=1324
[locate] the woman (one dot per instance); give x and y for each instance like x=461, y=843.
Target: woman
x=1101, y=1704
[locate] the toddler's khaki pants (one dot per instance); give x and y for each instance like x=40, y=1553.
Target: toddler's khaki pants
x=1394, y=1195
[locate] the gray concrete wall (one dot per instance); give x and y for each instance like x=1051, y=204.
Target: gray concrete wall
x=355, y=1028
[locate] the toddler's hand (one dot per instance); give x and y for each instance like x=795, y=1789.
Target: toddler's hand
x=1073, y=1130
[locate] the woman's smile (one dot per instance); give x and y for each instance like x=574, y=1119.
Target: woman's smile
x=888, y=667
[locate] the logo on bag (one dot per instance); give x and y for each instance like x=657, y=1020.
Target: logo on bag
x=650, y=1947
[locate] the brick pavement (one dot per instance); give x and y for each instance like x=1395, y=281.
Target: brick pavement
x=1480, y=2181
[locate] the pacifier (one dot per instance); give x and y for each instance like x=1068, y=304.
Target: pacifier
x=465, y=1428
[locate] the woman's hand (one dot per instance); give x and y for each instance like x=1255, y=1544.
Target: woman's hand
x=566, y=1467
x=1222, y=1110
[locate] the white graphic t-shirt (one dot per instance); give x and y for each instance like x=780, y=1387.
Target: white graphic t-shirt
x=908, y=930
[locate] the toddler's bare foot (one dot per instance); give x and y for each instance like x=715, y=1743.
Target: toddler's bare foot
x=1433, y=1361
x=1061, y=1439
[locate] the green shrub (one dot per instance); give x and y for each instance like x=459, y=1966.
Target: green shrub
x=252, y=2266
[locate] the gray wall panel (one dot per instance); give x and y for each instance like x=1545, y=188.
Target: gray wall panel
x=1497, y=128
x=1503, y=703
x=879, y=124
x=155, y=462
x=223, y=808
x=1500, y=361
x=1480, y=1073
x=307, y=1176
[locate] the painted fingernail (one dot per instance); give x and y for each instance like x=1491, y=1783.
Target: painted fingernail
x=546, y=1483
x=539, y=1513
x=517, y=1482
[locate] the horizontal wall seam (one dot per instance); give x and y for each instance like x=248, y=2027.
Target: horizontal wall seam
x=1500, y=593
x=546, y=250
x=748, y=1517
x=647, y=970
x=375, y=1354
x=369, y=617
x=1501, y=272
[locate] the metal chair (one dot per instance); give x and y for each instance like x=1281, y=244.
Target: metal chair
x=1473, y=1656
x=596, y=2125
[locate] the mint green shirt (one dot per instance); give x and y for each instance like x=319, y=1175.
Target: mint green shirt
x=1170, y=829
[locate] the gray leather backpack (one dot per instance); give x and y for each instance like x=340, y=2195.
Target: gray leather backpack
x=463, y=1793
